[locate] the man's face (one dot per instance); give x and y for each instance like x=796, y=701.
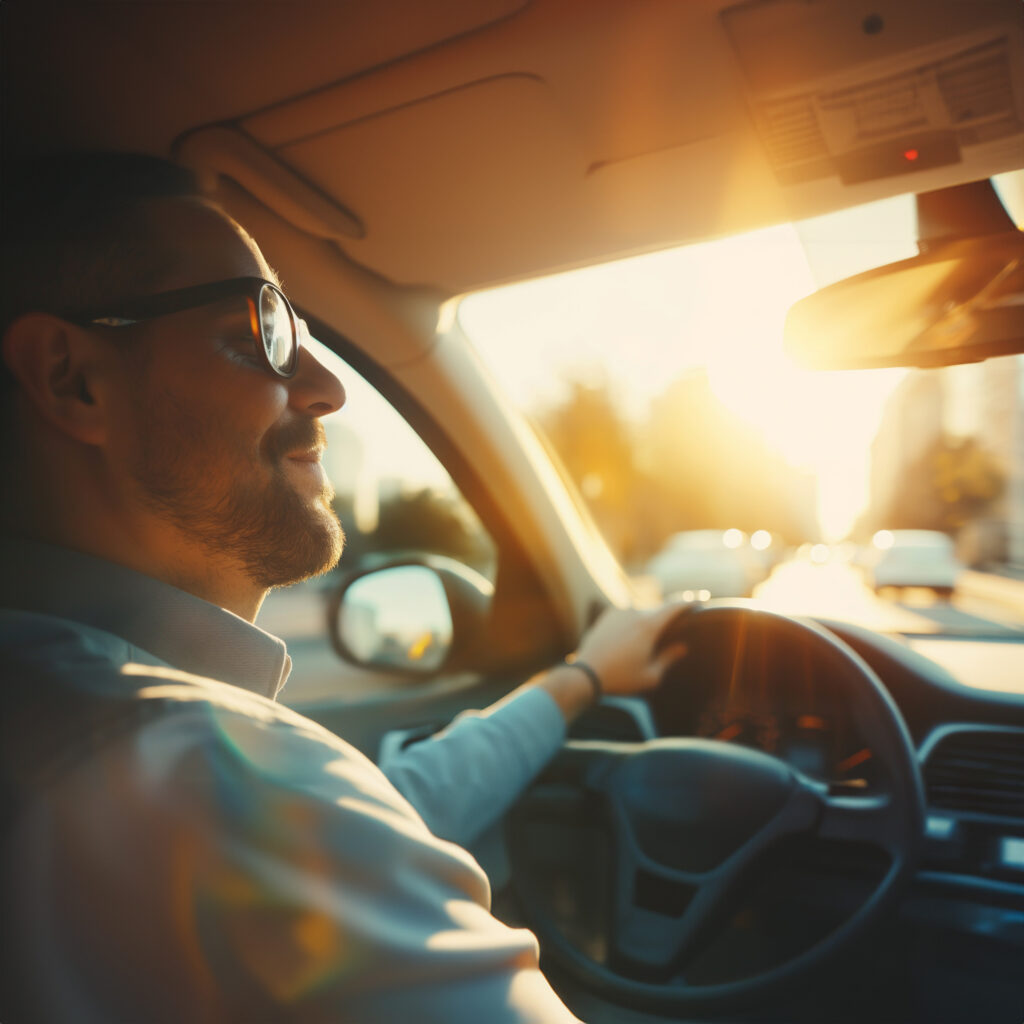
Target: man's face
x=217, y=446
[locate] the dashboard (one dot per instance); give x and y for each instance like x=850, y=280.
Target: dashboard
x=816, y=744
x=784, y=700
x=739, y=685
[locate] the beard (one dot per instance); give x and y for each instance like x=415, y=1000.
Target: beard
x=227, y=502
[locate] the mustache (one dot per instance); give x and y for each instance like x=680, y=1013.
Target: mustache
x=298, y=436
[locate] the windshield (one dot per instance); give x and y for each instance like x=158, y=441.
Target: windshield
x=893, y=498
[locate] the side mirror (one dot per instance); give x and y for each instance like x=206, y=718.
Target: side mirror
x=417, y=617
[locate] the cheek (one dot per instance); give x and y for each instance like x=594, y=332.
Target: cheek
x=222, y=410
x=134, y=412
x=249, y=415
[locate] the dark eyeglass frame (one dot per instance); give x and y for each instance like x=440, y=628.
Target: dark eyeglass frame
x=137, y=311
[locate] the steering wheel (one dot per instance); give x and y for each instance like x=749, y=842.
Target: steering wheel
x=673, y=830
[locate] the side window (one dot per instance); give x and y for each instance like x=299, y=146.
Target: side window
x=394, y=498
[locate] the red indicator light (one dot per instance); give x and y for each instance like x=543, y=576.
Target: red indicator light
x=910, y=154
x=810, y=722
x=853, y=760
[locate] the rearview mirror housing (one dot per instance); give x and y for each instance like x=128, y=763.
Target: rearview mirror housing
x=960, y=300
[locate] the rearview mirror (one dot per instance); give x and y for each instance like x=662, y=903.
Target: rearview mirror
x=961, y=300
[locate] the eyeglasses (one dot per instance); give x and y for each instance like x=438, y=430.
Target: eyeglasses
x=273, y=321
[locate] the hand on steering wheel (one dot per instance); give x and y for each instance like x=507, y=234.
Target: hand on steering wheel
x=623, y=647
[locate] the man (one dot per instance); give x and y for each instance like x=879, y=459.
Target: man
x=177, y=846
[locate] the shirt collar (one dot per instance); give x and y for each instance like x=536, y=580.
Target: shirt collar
x=177, y=627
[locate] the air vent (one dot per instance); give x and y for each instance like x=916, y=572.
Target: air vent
x=978, y=770
x=829, y=100
x=978, y=84
x=791, y=131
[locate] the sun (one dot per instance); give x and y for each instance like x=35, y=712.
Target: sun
x=641, y=322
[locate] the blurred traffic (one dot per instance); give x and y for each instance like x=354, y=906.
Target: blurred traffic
x=903, y=581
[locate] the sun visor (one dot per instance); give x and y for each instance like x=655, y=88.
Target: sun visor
x=228, y=152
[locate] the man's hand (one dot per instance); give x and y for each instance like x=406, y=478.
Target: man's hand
x=619, y=647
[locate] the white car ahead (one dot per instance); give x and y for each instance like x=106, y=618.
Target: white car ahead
x=719, y=562
x=913, y=558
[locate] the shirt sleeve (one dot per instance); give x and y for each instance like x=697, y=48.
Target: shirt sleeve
x=242, y=864
x=466, y=777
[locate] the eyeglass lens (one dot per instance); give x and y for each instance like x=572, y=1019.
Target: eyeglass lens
x=279, y=339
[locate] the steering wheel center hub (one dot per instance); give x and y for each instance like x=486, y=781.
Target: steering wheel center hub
x=691, y=803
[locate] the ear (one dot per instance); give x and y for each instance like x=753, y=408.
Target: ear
x=58, y=365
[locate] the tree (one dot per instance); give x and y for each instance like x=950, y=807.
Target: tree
x=717, y=471
x=428, y=520
x=954, y=481
x=598, y=450
x=692, y=464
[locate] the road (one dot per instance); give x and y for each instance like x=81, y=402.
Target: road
x=983, y=604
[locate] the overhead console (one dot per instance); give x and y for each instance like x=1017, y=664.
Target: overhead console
x=864, y=91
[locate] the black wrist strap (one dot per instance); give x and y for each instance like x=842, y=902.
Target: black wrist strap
x=588, y=671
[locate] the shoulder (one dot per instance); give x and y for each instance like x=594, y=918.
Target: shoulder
x=44, y=656
x=52, y=664
x=45, y=643
x=78, y=697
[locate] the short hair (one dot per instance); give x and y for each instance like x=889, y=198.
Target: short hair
x=74, y=232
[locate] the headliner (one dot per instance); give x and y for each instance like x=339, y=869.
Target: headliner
x=466, y=143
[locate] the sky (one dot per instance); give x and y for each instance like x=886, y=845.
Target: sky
x=639, y=323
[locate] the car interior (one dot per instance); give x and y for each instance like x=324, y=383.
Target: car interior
x=392, y=158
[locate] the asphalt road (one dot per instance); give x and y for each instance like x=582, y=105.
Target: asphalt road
x=983, y=604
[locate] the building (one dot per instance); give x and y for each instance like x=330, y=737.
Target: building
x=979, y=401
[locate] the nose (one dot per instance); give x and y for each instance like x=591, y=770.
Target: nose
x=314, y=390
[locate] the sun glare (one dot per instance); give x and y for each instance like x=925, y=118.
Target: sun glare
x=636, y=325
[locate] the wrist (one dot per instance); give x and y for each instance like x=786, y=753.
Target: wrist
x=596, y=686
x=570, y=688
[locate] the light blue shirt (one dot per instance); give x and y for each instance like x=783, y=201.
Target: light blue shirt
x=180, y=847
